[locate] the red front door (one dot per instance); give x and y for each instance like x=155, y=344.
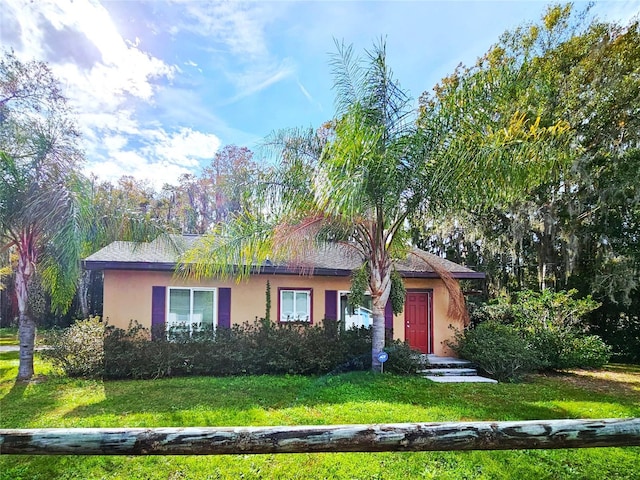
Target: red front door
x=417, y=321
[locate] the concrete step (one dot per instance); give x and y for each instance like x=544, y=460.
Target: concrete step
x=449, y=371
x=459, y=379
x=433, y=361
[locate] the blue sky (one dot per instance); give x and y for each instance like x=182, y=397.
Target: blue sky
x=159, y=86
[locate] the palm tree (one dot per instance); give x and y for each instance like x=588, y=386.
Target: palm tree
x=356, y=181
x=47, y=217
x=39, y=221
x=39, y=209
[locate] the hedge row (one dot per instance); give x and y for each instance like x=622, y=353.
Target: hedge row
x=91, y=349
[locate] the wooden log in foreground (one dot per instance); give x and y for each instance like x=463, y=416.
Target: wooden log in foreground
x=399, y=437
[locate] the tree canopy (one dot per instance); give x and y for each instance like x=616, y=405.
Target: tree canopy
x=579, y=227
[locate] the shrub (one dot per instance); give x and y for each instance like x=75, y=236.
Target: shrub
x=499, y=350
x=553, y=310
x=78, y=350
x=402, y=358
x=549, y=344
x=560, y=349
x=552, y=324
x=585, y=352
x=262, y=347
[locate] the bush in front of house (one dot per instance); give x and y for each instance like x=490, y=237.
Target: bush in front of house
x=402, y=360
x=498, y=350
x=547, y=324
x=79, y=349
x=258, y=348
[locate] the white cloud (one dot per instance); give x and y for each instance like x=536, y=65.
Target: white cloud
x=237, y=25
x=106, y=78
x=185, y=147
x=156, y=174
x=240, y=28
x=115, y=142
x=162, y=159
x=123, y=69
x=256, y=80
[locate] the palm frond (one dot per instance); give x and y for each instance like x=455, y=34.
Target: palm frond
x=232, y=249
x=348, y=76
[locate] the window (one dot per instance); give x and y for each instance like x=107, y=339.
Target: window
x=355, y=316
x=191, y=310
x=295, y=305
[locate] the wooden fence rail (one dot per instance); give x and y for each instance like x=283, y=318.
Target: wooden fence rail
x=398, y=437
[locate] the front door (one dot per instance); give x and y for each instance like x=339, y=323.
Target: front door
x=417, y=320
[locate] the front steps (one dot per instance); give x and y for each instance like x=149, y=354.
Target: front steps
x=450, y=370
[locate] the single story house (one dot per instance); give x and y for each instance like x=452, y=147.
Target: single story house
x=140, y=284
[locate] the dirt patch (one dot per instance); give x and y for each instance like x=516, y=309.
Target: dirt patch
x=612, y=380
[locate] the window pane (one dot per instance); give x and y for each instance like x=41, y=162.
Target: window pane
x=203, y=309
x=356, y=316
x=368, y=302
x=344, y=306
x=179, y=305
x=286, y=305
x=302, y=306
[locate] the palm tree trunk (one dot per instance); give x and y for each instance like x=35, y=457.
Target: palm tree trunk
x=83, y=292
x=378, y=334
x=27, y=337
x=26, y=325
x=380, y=284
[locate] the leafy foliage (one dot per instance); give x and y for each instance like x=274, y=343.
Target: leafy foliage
x=577, y=228
x=267, y=302
x=359, y=286
x=499, y=350
x=551, y=311
x=79, y=349
x=87, y=349
x=403, y=360
x=541, y=331
x=398, y=292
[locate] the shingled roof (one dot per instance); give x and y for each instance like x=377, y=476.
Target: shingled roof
x=333, y=260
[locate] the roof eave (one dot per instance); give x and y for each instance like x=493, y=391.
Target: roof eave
x=115, y=265
x=266, y=269
x=456, y=275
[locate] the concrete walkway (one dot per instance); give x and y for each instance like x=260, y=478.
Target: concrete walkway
x=16, y=348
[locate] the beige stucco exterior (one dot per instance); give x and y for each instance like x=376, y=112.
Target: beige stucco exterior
x=127, y=296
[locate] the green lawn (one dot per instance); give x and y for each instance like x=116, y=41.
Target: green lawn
x=52, y=401
x=8, y=336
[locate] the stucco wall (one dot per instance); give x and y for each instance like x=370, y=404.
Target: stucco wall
x=127, y=296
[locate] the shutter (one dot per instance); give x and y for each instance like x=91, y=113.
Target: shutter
x=224, y=307
x=331, y=304
x=158, y=311
x=388, y=316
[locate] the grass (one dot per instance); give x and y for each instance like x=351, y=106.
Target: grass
x=8, y=336
x=53, y=401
